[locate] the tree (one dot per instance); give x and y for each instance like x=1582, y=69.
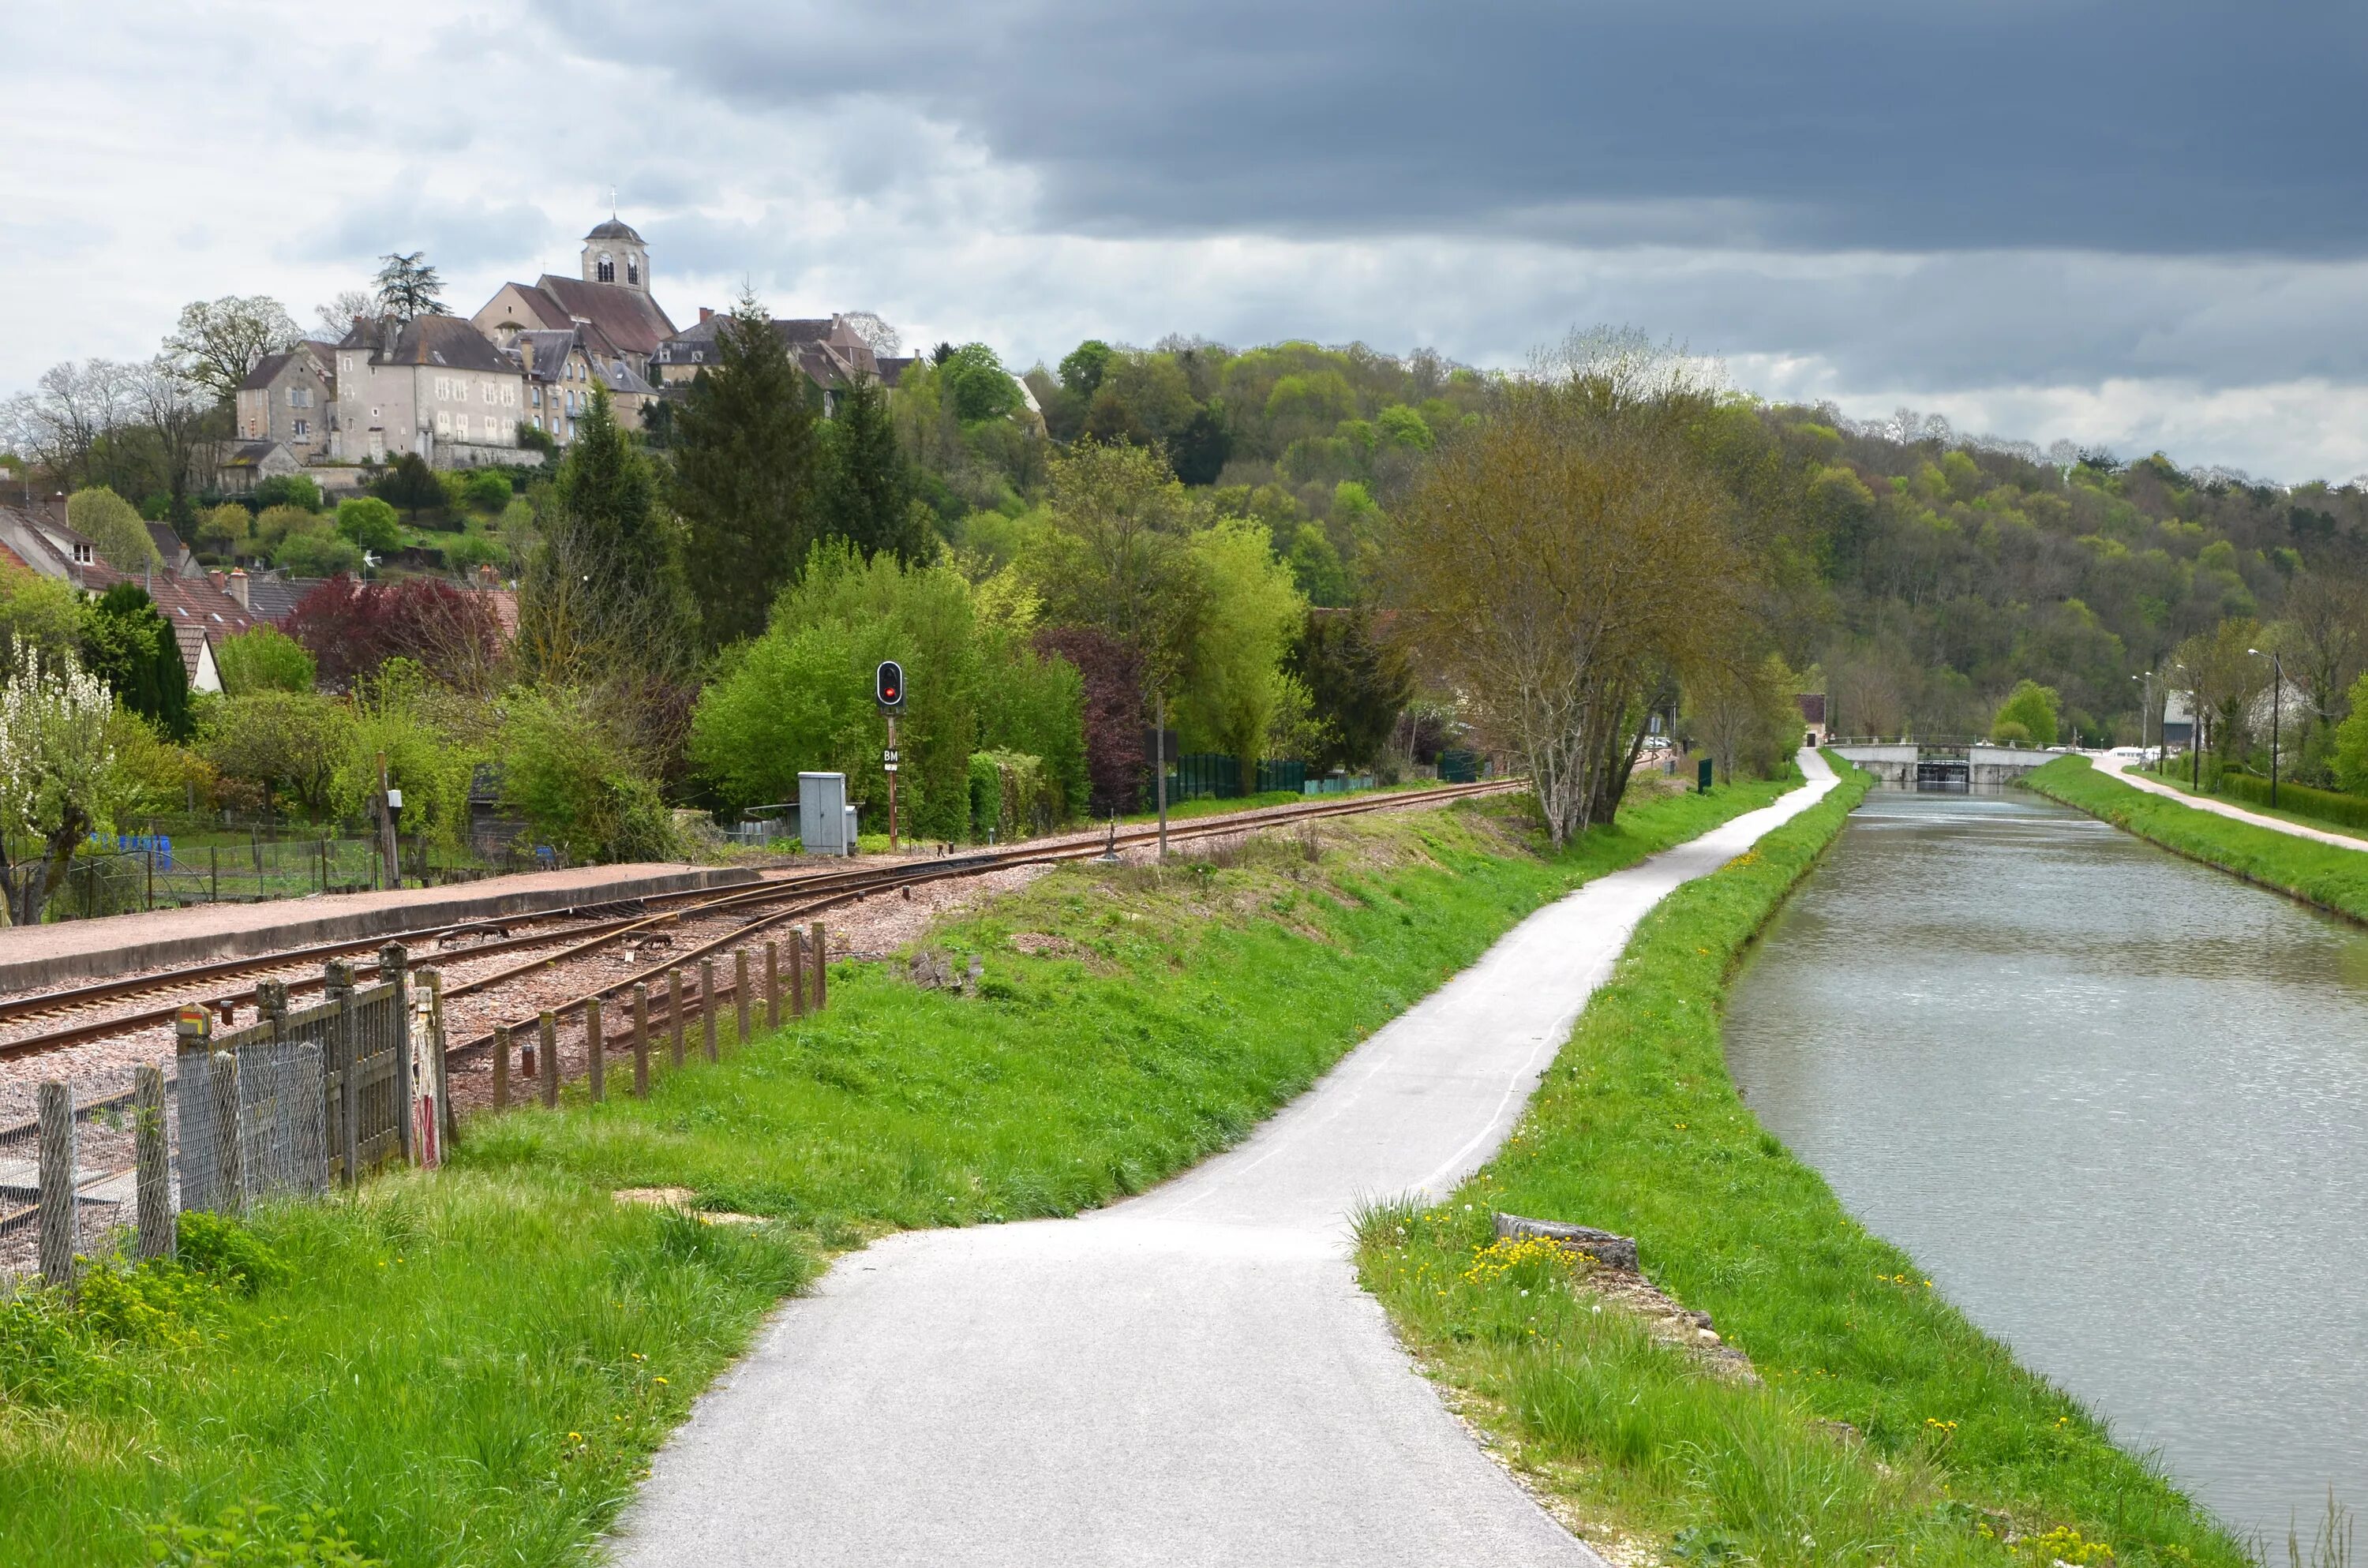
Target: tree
x=1234, y=690
x=410, y=484
x=352, y=629
x=263, y=658
x=312, y=552
x=2033, y=709
x=1110, y=677
x=1743, y=713
x=370, y=523
x=867, y=488
x=40, y=613
x=1555, y=559
x=979, y=386
x=56, y=773
x=2226, y=681
x=1357, y=686
x=744, y=472
x=1316, y=565
x=570, y=769
x=1115, y=555
x=180, y=417
x=2324, y=634
x=130, y=646
x=602, y=592
x=337, y=318
x=289, y=490
x=285, y=743
x=112, y=525
x=74, y=408
x=218, y=343
x=407, y=287
x=1082, y=366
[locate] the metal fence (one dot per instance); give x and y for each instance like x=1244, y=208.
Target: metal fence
x=281, y=1109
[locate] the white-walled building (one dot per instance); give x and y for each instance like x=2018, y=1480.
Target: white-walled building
x=434, y=386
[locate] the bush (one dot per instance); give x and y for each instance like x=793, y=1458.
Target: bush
x=289, y=490
x=410, y=484
x=229, y=1253
x=570, y=771
x=111, y=524
x=2031, y=707
x=371, y=524
x=317, y=555
x=274, y=525
x=223, y=528
x=257, y=1535
x=2326, y=805
x=985, y=796
x=486, y=490
x=263, y=659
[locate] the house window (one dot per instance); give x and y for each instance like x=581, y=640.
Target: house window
x=509, y=394
x=303, y=428
x=443, y=389
x=443, y=423
x=489, y=392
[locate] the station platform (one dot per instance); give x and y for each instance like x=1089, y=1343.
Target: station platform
x=37, y=958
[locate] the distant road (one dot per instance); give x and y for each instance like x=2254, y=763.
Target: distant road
x=1190, y=1378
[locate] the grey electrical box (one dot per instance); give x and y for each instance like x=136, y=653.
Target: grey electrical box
x=825, y=821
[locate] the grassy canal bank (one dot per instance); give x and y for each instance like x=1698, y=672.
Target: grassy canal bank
x=474, y=1366
x=2333, y=877
x=1883, y=1428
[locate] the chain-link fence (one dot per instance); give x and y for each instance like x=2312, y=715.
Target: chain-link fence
x=276, y=1111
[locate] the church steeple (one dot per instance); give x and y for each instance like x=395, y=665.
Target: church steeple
x=613, y=253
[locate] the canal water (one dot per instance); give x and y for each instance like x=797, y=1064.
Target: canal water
x=2114, y=1102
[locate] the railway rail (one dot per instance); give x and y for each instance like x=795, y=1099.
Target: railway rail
x=798, y=896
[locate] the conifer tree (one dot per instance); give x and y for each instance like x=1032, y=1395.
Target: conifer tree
x=605, y=588
x=128, y=644
x=867, y=487
x=745, y=457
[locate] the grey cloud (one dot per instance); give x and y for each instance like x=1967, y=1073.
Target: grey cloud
x=408, y=216
x=2182, y=126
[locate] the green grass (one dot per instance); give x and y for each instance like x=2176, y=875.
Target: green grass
x=474, y=1366
x=1950, y=1447
x=2330, y=876
x=2325, y=810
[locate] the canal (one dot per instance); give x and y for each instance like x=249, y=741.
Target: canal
x=2114, y=1102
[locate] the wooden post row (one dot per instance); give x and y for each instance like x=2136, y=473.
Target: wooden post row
x=641, y=1043
x=797, y=973
x=547, y=1062
x=501, y=1067
x=821, y=966
x=340, y=990
x=394, y=967
x=674, y=1013
x=596, y=1047
x=743, y=1000
x=707, y=1004
x=772, y=986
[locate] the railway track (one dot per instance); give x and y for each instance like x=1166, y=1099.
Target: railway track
x=767, y=903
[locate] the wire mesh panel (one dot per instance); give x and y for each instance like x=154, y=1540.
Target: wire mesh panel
x=284, y=1144
x=99, y=1199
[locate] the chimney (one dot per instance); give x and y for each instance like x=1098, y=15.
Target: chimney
x=238, y=586
x=214, y=575
x=706, y=315
x=387, y=333
x=526, y=353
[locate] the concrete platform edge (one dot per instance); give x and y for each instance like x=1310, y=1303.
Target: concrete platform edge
x=351, y=925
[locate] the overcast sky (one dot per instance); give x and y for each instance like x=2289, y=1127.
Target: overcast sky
x=2137, y=225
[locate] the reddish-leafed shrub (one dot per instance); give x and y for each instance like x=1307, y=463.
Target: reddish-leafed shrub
x=1114, y=716
x=351, y=628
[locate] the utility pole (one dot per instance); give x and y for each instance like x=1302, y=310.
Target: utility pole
x=2277, y=699
x=389, y=802
x=1159, y=763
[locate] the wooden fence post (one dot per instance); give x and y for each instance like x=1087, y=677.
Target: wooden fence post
x=447, y=1124
x=745, y=1002
x=596, y=1047
x=797, y=973
x=547, y=1063
x=707, y=1004
x=151, y=1179
x=641, y=1043
x=673, y=1012
x=822, y=965
x=394, y=967
x=339, y=989
x=501, y=1068
x=60, y=1216
x=772, y=986
x=192, y=1039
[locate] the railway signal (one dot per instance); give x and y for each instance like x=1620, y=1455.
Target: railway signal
x=888, y=691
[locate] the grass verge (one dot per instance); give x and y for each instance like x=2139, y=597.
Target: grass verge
x=1887, y=1428
x=474, y=1367
x=2333, y=877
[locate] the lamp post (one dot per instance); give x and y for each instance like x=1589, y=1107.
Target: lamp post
x=2277, y=699
x=2146, y=702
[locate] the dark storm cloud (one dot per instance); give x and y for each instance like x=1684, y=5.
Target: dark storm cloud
x=2171, y=127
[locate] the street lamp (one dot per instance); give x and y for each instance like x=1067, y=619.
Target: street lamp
x=2146, y=702
x=2277, y=698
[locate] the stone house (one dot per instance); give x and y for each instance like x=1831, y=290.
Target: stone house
x=611, y=302
x=434, y=386
x=830, y=351
x=563, y=368
x=288, y=398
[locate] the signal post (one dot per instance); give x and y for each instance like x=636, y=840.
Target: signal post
x=888, y=691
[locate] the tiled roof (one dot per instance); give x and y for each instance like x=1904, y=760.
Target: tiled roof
x=551, y=351
x=273, y=598
x=626, y=317
x=621, y=380
x=267, y=369
x=192, y=606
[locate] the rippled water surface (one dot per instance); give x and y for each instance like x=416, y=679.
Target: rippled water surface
x=2115, y=1103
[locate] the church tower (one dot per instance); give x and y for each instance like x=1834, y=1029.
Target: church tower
x=614, y=253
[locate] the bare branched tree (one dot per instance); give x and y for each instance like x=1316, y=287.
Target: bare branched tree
x=71, y=410
x=220, y=342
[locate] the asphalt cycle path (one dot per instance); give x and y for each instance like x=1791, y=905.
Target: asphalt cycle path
x=1191, y=1377
x=2121, y=766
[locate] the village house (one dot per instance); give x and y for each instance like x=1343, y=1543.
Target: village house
x=202, y=613
x=434, y=386
x=563, y=368
x=833, y=355
x=287, y=398
x=611, y=302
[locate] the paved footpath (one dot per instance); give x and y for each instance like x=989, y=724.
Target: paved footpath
x=2119, y=768
x=1190, y=1377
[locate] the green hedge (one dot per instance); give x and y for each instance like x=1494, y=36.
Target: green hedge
x=2328, y=806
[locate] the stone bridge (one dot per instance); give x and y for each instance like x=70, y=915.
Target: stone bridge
x=1941, y=766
